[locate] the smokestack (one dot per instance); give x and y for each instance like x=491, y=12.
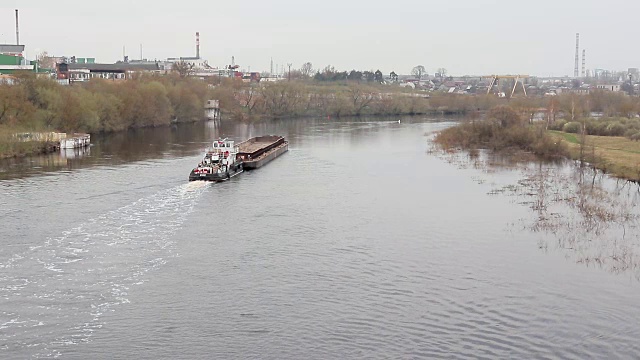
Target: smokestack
x=575, y=69
x=17, y=30
x=198, y=45
x=584, y=62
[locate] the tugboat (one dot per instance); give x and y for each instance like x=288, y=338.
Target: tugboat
x=219, y=162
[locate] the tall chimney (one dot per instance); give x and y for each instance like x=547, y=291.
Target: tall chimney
x=575, y=69
x=584, y=63
x=17, y=30
x=198, y=45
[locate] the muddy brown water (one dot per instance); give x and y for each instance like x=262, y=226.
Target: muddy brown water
x=359, y=242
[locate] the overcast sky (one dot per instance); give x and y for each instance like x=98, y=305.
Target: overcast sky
x=465, y=36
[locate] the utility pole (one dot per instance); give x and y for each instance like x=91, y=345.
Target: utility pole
x=289, y=65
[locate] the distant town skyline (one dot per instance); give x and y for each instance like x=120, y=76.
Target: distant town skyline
x=465, y=37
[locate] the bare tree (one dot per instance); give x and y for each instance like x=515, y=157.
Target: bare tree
x=45, y=61
x=418, y=72
x=183, y=68
x=306, y=69
x=442, y=72
x=361, y=96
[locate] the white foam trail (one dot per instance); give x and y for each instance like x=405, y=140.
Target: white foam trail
x=67, y=283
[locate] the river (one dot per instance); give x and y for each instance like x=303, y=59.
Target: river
x=360, y=242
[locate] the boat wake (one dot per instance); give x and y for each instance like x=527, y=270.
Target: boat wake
x=55, y=294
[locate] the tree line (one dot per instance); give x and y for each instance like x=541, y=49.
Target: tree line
x=35, y=103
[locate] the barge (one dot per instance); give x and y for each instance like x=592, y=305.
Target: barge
x=225, y=159
x=258, y=151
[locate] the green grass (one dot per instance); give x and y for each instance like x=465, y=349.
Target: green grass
x=572, y=138
x=616, y=155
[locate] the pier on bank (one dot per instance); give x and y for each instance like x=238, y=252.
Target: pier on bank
x=32, y=143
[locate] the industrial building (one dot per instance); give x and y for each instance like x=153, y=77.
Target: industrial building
x=11, y=59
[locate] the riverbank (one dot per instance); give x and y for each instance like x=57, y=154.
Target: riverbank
x=503, y=131
x=11, y=147
x=19, y=149
x=99, y=106
x=615, y=155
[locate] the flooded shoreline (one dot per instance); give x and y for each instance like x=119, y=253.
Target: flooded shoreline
x=591, y=217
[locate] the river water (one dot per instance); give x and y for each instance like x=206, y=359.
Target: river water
x=360, y=242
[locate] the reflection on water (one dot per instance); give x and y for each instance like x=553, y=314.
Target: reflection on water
x=593, y=218
x=173, y=141
x=77, y=153
x=119, y=148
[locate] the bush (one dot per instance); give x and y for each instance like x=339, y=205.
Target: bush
x=616, y=129
x=505, y=116
x=557, y=125
x=491, y=134
x=596, y=127
x=572, y=127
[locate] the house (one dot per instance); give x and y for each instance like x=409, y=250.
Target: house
x=610, y=87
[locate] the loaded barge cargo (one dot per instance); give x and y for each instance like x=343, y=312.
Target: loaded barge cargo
x=258, y=151
x=224, y=159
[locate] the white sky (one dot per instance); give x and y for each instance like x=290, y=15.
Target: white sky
x=478, y=37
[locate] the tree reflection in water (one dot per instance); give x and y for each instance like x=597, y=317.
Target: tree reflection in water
x=590, y=216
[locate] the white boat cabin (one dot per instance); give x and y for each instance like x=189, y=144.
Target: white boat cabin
x=222, y=152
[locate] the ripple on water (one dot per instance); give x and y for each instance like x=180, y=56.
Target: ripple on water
x=72, y=280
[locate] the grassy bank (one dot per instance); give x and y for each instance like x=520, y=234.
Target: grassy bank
x=18, y=149
x=615, y=155
x=10, y=147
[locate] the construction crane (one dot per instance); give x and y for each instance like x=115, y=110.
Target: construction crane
x=518, y=79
